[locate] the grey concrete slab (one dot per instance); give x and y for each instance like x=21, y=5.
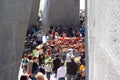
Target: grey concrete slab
x=61, y=12
x=103, y=39
x=14, y=18
x=34, y=13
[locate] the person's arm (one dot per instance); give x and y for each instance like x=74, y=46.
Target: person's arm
x=53, y=62
x=51, y=69
x=22, y=63
x=58, y=74
x=76, y=67
x=45, y=68
x=65, y=71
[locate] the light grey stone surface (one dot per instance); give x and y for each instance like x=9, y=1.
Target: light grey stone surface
x=103, y=39
x=34, y=13
x=14, y=17
x=61, y=12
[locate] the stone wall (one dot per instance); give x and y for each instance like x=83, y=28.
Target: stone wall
x=103, y=39
x=61, y=12
x=14, y=17
x=34, y=13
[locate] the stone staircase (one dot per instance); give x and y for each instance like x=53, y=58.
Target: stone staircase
x=42, y=29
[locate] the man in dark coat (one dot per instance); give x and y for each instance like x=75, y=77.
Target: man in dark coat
x=71, y=70
x=34, y=66
x=56, y=64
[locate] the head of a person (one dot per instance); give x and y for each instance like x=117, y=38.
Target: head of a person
x=35, y=59
x=29, y=35
x=72, y=59
x=25, y=56
x=41, y=56
x=24, y=77
x=82, y=54
x=68, y=51
x=57, y=56
x=39, y=32
x=40, y=76
x=83, y=62
x=63, y=32
x=30, y=57
x=49, y=63
x=56, y=33
x=62, y=63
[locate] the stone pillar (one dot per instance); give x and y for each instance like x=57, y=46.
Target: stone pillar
x=61, y=12
x=34, y=13
x=14, y=17
x=103, y=39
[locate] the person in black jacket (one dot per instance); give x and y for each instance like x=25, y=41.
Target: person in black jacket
x=71, y=70
x=41, y=59
x=56, y=64
x=34, y=66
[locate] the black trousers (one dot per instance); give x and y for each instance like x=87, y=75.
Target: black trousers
x=62, y=78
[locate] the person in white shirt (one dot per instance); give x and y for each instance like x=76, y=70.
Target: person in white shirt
x=68, y=56
x=48, y=70
x=61, y=72
x=56, y=35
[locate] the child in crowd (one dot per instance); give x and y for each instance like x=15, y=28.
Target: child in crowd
x=40, y=76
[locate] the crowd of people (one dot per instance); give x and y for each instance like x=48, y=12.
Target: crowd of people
x=66, y=31
x=62, y=69
x=41, y=67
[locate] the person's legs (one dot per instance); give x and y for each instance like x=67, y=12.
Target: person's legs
x=33, y=77
x=55, y=73
x=24, y=69
x=61, y=78
x=48, y=75
x=68, y=77
x=73, y=77
x=78, y=77
x=83, y=78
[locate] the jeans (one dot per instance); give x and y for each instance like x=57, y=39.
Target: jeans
x=48, y=75
x=33, y=78
x=71, y=77
x=62, y=78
